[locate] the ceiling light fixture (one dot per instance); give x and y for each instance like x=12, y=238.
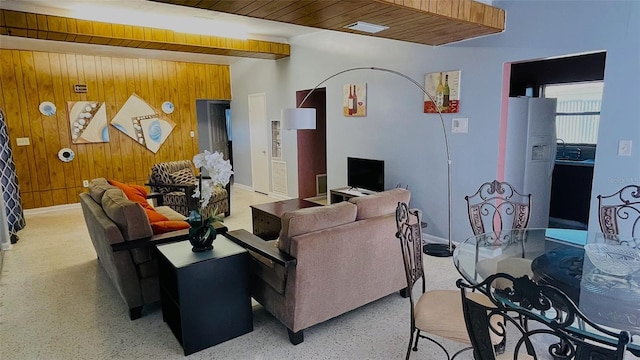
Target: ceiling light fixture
x=366, y=27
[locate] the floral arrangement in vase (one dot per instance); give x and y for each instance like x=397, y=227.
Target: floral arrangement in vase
x=202, y=232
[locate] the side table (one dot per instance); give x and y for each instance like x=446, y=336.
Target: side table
x=205, y=296
x=266, y=217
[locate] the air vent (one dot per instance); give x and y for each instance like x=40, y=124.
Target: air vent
x=366, y=27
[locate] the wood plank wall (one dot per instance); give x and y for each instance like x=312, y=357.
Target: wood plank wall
x=28, y=77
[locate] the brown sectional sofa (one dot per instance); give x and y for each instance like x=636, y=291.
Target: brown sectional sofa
x=328, y=260
x=124, y=242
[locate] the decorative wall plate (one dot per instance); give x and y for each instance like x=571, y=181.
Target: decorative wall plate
x=66, y=155
x=47, y=108
x=167, y=107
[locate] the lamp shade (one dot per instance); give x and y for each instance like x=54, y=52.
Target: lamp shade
x=299, y=118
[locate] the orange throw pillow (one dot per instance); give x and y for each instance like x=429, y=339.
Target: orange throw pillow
x=161, y=227
x=135, y=193
x=138, y=194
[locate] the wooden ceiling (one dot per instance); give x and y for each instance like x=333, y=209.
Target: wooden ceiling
x=58, y=28
x=429, y=22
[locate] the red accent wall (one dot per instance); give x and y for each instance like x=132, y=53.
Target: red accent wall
x=312, y=144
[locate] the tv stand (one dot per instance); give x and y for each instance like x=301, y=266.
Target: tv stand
x=346, y=193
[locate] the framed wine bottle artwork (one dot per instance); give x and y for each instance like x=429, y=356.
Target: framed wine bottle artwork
x=354, y=100
x=444, y=87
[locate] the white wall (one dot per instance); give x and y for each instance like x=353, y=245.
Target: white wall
x=411, y=142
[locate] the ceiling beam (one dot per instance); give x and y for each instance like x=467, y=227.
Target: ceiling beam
x=429, y=22
x=58, y=28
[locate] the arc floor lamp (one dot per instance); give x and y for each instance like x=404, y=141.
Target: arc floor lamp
x=305, y=118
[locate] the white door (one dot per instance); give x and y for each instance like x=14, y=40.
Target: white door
x=259, y=144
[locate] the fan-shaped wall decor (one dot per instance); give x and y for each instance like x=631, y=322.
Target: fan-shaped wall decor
x=143, y=123
x=88, y=122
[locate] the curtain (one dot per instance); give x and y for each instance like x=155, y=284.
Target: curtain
x=5, y=235
x=12, y=203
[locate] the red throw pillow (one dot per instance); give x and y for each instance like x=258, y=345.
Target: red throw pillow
x=161, y=227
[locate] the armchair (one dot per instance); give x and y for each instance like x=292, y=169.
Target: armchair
x=174, y=183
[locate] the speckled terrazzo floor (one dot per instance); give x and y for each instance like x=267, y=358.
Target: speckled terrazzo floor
x=56, y=302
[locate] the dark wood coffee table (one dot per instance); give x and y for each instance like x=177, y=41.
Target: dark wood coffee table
x=266, y=217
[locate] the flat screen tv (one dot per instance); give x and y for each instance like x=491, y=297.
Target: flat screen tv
x=365, y=174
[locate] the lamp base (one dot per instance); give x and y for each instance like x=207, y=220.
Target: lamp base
x=439, y=250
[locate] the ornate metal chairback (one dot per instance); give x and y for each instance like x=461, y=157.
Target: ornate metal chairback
x=497, y=206
x=551, y=316
x=410, y=236
x=619, y=213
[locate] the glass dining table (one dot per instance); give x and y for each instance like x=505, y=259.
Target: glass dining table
x=601, y=274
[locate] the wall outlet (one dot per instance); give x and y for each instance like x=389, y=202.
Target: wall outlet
x=460, y=125
x=193, y=134
x=624, y=148
x=23, y=141
x=85, y=183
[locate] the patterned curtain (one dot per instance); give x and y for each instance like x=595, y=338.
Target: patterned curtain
x=9, y=184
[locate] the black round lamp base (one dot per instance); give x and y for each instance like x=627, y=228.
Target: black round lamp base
x=439, y=250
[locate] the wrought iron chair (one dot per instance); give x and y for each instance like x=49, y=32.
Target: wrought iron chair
x=437, y=312
x=619, y=213
x=497, y=206
x=495, y=210
x=551, y=315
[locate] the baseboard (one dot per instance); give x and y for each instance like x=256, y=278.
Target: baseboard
x=280, y=196
x=243, y=187
x=42, y=210
x=272, y=194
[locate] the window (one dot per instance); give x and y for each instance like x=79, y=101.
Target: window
x=578, y=111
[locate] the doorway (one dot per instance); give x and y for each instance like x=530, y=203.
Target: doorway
x=312, y=148
x=213, y=126
x=576, y=82
x=258, y=135
x=214, y=130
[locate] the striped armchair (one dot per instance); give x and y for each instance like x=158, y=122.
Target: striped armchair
x=174, y=182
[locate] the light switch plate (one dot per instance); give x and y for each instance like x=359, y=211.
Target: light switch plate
x=460, y=125
x=23, y=141
x=624, y=148
x=193, y=134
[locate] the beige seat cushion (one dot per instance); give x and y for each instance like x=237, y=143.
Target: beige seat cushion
x=169, y=213
x=439, y=312
x=507, y=355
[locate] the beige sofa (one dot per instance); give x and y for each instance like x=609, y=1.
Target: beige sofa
x=328, y=260
x=124, y=242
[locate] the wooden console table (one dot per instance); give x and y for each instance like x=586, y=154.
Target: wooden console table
x=205, y=296
x=266, y=217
